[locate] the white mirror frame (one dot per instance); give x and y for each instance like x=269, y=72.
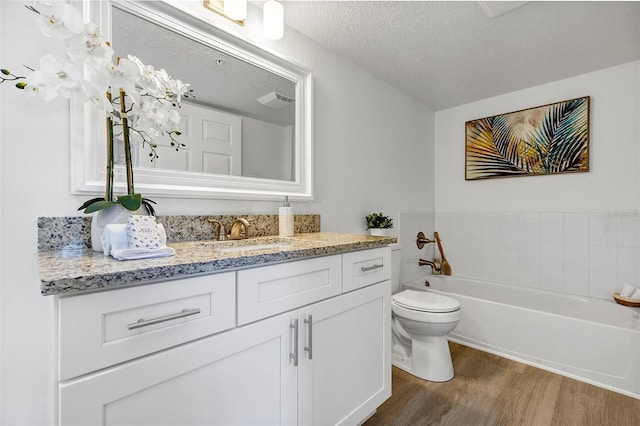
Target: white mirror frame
x=88, y=129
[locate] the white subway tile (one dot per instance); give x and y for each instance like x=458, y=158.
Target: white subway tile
x=551, y=255
x=576, y=256
x=603, y=259
x=529, y=276
x=603, y=229
x=551, y=227
x=576, y=281
x=629, y=231
x=529, y=253
x=628, y=260
x=509, y=226
x=551, y=278
x=529, y=225
x=575, y=228
x=602, y=284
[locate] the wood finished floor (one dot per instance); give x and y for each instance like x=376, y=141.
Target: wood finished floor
x=491, y=390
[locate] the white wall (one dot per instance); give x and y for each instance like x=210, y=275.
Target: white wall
x=572, y=233
x=373, y=151
x=266, y=149
x=611, y=183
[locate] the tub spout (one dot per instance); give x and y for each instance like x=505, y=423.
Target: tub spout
x=436, y=266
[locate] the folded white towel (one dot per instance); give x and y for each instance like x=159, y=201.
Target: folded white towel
x=113, y=237
x=142, y=253
x=115, y=242
x=627, y=290
x=636, y=294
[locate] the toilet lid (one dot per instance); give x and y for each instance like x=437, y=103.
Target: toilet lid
x=425, y=301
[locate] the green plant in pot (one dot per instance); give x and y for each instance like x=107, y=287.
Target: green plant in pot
x=378, y=223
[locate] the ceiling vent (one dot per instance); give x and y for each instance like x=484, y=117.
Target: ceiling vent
x=275, y=100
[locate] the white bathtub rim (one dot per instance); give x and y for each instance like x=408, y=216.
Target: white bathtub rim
x=633, y=313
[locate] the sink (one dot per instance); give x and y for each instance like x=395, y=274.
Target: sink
x=234, y=246
x=254, y=247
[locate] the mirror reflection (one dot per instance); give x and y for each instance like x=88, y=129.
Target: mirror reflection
x=241, y=120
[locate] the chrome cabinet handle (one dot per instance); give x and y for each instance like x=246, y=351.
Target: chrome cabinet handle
x=151, y=321
x=371, y=268
x=294, y=340
x=309, y=326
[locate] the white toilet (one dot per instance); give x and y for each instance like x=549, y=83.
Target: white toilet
x=421, y=319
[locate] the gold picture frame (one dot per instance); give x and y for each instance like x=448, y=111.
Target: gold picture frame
x=543, y=140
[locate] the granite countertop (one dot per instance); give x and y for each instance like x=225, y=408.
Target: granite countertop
x=71, y=271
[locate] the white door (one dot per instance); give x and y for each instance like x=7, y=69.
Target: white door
x=240, y=377
x=213, y=142
x=348, y=373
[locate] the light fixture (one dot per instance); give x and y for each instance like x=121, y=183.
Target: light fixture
x=273, y=20
x=234, y=10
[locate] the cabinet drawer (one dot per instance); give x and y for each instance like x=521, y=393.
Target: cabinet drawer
x=269, y=290
x=101, y=329
x=366, y=267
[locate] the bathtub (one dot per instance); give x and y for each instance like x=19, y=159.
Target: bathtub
x=591, y=340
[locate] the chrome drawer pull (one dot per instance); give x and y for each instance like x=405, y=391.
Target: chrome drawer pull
x=371, y=268
x=308, y=347
x=147, y=322
x=293, y=355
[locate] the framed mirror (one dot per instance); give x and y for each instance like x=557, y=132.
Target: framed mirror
x=247, y=129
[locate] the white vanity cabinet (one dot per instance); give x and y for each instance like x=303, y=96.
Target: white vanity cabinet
x=344, y=361
x=299, y=349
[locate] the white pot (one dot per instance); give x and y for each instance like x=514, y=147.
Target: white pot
x=379, y=232
x=104, y=217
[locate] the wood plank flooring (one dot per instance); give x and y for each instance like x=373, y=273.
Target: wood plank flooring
x=491, y=390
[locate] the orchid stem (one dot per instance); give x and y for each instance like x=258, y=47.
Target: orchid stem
x=108, y=196
x=127, y=144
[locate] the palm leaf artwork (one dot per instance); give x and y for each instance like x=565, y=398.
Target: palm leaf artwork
x=548, y=139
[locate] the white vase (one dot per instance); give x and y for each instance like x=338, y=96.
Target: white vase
x=379, y=232
x=104, y=217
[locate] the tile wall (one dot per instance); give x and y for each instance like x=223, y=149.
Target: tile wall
x=589, y=254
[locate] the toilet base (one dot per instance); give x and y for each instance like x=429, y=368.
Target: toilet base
x=430, y=359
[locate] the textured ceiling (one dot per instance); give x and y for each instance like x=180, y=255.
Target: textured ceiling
x=218, y=80
x=448, y=53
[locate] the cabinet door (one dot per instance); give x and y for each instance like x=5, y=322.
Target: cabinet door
x=345, y=349
x=240, y=377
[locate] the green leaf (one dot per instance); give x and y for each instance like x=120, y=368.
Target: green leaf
x=21, y=85
x=130, y=202
x=89, y=202
x=147, y=204
x=99, y=205
x=5, y=72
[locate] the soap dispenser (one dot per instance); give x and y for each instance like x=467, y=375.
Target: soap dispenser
x=286, y=219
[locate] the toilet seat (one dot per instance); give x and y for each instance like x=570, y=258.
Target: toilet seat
x=424, y=301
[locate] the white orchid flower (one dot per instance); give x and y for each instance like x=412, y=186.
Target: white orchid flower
x=97, y=96
x=123, y=76
x=60, y=20
x=62, y=75
x=90, y=47
x=37, y=85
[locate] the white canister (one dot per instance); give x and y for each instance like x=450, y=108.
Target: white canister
x=286, y=219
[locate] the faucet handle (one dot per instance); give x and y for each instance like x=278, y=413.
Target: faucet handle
x=421, y=240
x=220, y=235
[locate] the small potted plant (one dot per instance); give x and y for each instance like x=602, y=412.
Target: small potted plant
x=378, y=224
